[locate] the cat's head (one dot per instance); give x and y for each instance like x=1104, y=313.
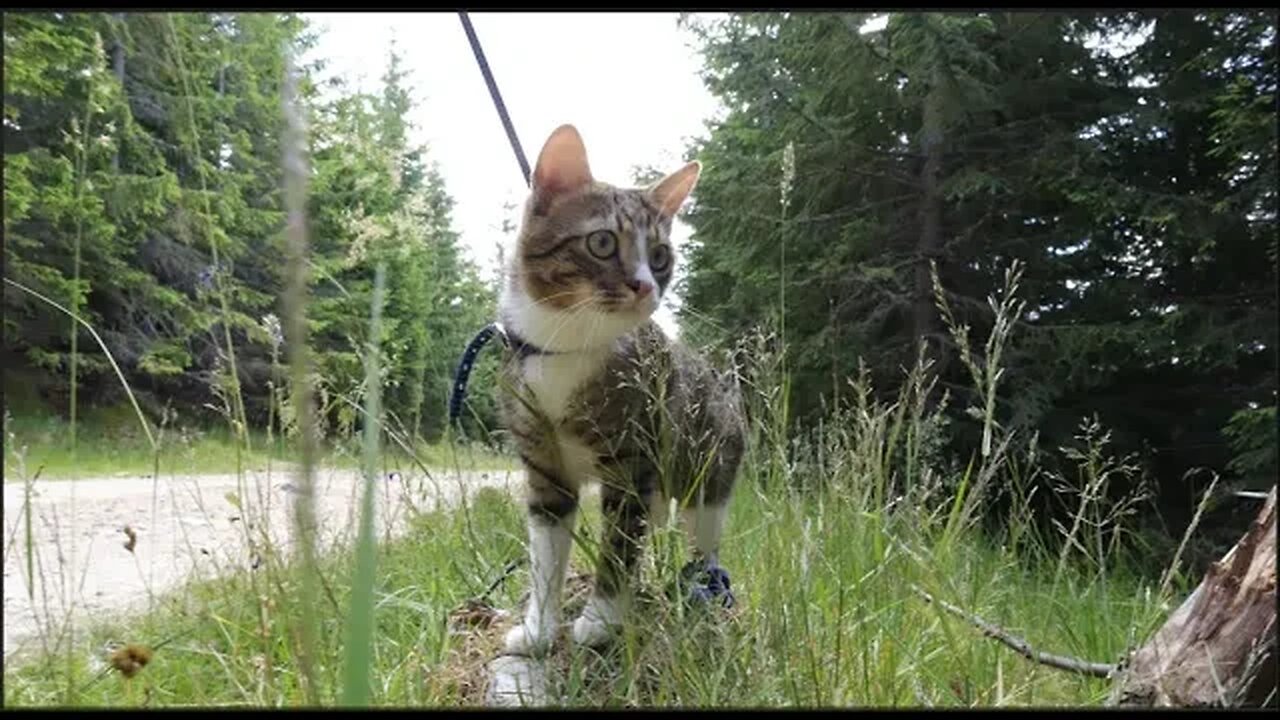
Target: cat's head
x=590, y=254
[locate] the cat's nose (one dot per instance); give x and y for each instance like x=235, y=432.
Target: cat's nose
x=641, y=287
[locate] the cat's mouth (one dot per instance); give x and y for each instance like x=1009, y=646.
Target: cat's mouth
x=642, y=300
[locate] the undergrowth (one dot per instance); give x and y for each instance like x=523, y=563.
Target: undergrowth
x=834, y=538
x=109, y=444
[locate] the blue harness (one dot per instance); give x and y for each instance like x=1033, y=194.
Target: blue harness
x=522, y=348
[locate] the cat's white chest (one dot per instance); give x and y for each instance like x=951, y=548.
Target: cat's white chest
x=555, y=378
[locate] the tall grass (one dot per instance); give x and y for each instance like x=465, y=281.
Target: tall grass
x=66, y=568
x=240, y=420
x=355, y=689
x=833, y=537
x=81, y=165
x=295, y=186
x=111, y=443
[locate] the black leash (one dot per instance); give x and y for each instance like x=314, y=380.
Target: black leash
x=497, y=96
x=482, y=338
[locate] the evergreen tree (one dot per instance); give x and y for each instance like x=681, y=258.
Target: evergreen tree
x=1137, y=188
x=143, y=191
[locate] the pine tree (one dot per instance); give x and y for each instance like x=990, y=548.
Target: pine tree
x=1137, y=190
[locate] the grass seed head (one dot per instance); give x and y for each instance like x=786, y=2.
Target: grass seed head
x=130, y=659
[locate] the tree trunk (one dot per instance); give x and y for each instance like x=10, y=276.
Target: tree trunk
x=925, y=317
x=1219, y=647
x=930, y=241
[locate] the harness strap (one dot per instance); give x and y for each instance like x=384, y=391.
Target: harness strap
x=523, y=349
x=463, y=372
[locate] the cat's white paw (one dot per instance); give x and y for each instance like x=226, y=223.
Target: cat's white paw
x=592, y=632
x=598, y=621
x=529, y=639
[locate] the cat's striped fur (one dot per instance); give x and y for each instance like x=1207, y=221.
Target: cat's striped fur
x=597, y=392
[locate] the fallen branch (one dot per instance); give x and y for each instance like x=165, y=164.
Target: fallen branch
x=1022, y=647
x=1251, y=495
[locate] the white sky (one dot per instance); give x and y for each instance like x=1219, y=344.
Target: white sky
x=628, y=81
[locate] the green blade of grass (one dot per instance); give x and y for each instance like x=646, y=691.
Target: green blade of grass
x=105, y=351
x=359, y=649
x=295, y=302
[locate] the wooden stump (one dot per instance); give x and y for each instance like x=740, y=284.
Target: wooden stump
x=1219, y=647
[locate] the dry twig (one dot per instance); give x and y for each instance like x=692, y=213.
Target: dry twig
x=1022, y=647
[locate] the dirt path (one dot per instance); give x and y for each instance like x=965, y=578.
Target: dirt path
x=186, y=527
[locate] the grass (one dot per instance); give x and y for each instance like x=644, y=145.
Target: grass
x=110, y=444
x=832, y=537
x=826, y=617
x=219, y=655
x=434, y=455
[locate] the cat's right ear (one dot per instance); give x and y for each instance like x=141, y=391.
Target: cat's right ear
x=670, y=192
x=562, y=167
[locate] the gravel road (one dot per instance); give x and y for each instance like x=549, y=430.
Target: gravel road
x=184, y=527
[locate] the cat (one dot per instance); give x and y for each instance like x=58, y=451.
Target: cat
x=593, y=390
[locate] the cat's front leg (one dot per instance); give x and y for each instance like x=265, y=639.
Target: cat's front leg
x=553, y=506
x=704, y=525
x=623, y=510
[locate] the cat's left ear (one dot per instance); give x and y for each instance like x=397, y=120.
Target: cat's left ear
x=671, y=191
x=562, y=166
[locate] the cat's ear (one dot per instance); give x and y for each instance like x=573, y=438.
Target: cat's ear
x=562, y=166
x=670, y=192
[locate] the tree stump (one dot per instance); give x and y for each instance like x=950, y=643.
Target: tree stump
x=1219, y=647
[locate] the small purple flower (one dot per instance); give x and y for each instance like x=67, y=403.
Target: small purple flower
x=205, y=278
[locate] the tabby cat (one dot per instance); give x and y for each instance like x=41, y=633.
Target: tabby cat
x=592, y=389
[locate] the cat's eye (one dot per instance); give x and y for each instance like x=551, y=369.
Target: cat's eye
x=659, y=258
x=602, y=243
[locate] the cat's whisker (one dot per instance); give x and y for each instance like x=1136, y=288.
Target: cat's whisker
x=701, y=316
x=566, y=315
x=572, y=314
x=524, y=302
x=527, y=302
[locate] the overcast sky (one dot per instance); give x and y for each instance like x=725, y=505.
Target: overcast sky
x=628, y=81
